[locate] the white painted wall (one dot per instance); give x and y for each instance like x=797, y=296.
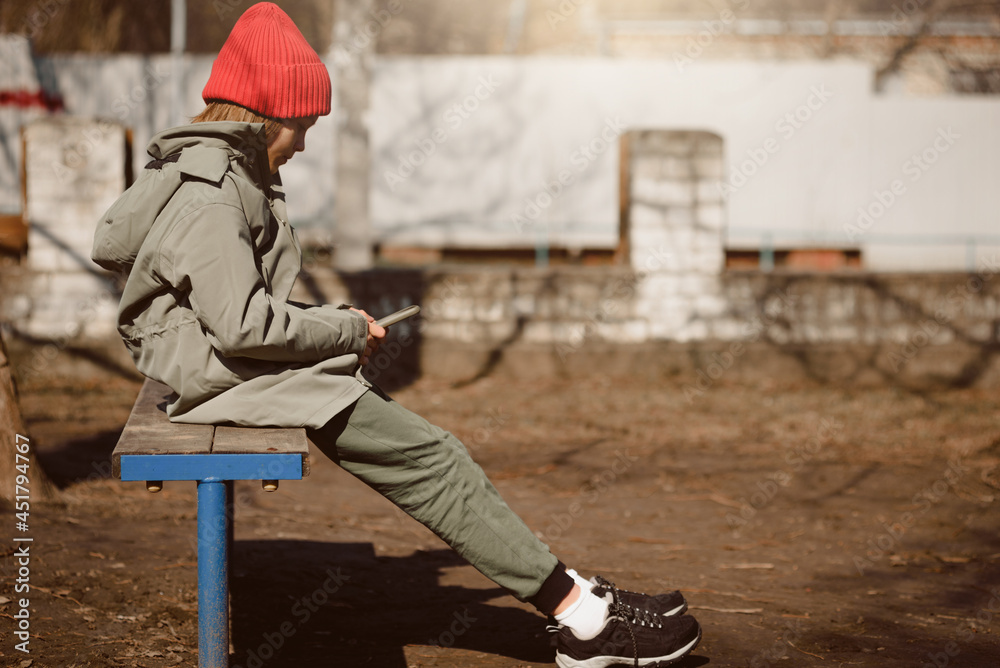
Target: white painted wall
x=946, y=154
x=824, y=145
x=533, y=115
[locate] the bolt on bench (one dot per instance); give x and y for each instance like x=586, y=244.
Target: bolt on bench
x=153, y=449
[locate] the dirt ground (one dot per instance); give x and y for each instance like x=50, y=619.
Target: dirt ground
x=807, y=524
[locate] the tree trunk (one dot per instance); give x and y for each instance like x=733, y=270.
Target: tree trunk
x=14, y=438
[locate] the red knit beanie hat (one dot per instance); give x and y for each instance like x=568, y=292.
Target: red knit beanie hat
x=267, y=66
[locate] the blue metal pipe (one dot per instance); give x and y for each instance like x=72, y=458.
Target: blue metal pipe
x=213, y=575
x=230, y=515
x=214, y=467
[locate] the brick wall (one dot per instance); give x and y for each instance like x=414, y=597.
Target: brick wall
x=912, y=328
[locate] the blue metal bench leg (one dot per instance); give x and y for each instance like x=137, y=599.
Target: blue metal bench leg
x=230, y=519
x=230, y=515
x=213, y=574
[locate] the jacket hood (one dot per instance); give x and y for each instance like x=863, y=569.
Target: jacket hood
x=239, y=138
x=205, y=152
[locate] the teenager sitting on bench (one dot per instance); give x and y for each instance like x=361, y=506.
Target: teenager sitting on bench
x=211, y=260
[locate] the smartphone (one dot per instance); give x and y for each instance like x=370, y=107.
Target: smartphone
x=401, y=314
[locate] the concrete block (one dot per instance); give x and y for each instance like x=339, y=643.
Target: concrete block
x=15, y=307
x=524, y=305
x=643, y=189
x=711, y=216
x=707, y=241
x=67, y=234
x=573, y=333
x=643, y=215
x=680, y=217
x=628, y=331
x=711, y=262
x=708, y=191
x=676, y=192
x=49, y=320
x=654, y=259
x=493, y=331
x=46, y=256
x=673, y=311
x=804, y=332
x=470, y=331
x=894, y=333
x=663, y=331
x=842, y=332
x=662, y=285
x=977, y=331
x=102, y=327
x=727, y=329
x=490, y=311
x=677, y=168
x=677, y=143
x=709, y=306
x=778, y=335
x=668, y=322
x=736, y=289
x=839, y=309
x=693, y=285
x=442, y=330
x=80, y=284
x=694, y=330
x=665, y=192
x=622, y=306
x=683, y=238
x=708, y=167
x=75, y=170
x=661, y=142
x=550, y=331
x=708, y=144
x=544, y=308
x=647, y=166
x=650, y=237
x=946, y=336
x=456, y=308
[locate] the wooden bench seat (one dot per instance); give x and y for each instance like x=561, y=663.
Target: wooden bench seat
x=153, y=449
x=149, y=432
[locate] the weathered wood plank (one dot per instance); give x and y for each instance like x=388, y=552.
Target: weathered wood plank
x=149, y=431
x=262, y=441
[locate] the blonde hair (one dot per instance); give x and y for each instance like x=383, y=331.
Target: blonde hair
x=227, y=111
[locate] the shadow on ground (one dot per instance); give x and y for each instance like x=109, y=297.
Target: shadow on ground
x=307, y=603
x=80, y=460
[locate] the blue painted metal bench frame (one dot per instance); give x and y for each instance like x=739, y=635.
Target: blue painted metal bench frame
x=152, y=449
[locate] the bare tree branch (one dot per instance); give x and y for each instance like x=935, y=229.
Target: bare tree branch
x=930, y=14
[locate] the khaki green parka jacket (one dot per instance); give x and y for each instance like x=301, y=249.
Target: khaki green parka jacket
x=210, y=260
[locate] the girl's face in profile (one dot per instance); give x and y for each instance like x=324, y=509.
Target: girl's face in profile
x=290, y=140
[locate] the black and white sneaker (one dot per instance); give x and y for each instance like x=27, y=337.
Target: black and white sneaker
x=629, y=637
x=668, y=604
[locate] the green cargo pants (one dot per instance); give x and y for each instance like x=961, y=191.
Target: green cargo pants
x=429, y=474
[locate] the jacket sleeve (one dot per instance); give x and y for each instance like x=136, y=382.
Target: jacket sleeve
x=209, y=256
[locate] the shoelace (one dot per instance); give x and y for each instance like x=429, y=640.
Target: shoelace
x=604, y=582
x=624, y=612
x=643, y=616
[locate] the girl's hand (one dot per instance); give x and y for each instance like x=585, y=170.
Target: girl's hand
x=375, y=336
